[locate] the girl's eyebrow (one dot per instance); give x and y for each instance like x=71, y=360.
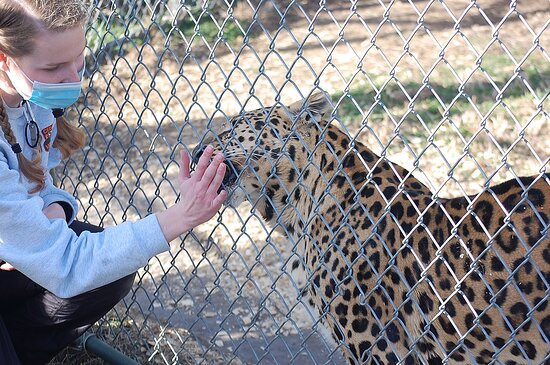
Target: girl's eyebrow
x=60, y=63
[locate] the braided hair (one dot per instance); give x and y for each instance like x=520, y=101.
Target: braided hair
x=32, y=170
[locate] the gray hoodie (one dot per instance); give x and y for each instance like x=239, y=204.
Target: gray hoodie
x=48, y=251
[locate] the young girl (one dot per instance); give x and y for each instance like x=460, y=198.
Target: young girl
x=59, y=275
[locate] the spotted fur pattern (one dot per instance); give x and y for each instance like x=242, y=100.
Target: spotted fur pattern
x=395, y=273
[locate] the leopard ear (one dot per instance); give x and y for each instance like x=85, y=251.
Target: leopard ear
x=317, y=106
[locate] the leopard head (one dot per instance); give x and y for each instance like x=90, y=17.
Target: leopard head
x=263, y=148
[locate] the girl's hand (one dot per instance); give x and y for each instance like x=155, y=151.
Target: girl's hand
x=199, y=197
x=7, y=267
x=54, y=210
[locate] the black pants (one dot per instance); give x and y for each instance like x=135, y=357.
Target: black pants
x=35, y=324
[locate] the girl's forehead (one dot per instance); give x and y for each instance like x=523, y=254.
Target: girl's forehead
x=57, y=47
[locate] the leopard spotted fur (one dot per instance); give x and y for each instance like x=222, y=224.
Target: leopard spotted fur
x=396, y=273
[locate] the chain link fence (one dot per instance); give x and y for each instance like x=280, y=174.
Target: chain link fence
x=455, y=91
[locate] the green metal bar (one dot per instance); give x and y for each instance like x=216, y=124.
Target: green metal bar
x=95, y=346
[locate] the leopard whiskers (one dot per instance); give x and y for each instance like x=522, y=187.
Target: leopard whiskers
x=239, y=158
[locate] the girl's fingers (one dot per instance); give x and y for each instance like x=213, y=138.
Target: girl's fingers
x=217, y=202
x=204, y=162
x=211, y=170
x=184, y=166
x=217, y=181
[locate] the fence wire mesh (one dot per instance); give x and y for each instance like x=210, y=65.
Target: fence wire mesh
x=454, y=91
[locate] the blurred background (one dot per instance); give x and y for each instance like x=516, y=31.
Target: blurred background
x=454, y=90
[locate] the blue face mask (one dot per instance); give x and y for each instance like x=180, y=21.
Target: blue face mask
x=52, y=96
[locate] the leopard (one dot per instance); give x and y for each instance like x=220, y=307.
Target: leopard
x=395, y=273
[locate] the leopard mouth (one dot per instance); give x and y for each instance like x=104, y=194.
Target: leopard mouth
x=232, y=173
x=230, y=177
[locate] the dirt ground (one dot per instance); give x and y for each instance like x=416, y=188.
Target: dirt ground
x=223, y=294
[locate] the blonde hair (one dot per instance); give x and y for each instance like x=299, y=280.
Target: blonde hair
x=20, y=21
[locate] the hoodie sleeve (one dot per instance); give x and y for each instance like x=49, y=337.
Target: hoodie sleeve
x=52, y=194
x=53, y=256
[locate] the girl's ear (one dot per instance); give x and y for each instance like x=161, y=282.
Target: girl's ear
x=316, y=106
